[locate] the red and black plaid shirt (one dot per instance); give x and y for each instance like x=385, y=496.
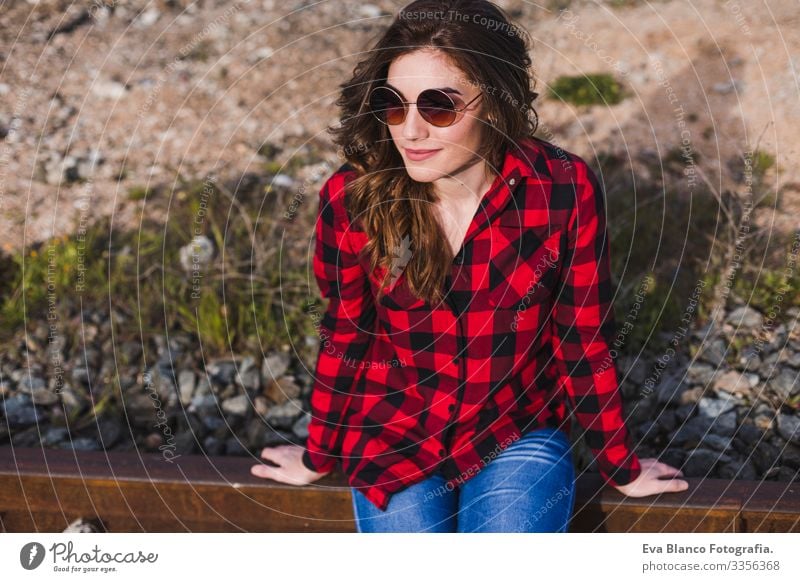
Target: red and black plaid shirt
x=404, y=389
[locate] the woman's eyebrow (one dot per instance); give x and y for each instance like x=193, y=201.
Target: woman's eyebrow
x=445, y=89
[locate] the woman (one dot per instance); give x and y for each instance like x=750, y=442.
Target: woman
x=467, y=267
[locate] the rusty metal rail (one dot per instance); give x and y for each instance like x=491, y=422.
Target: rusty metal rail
x=43, y=490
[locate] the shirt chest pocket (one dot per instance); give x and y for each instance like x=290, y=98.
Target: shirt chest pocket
x=523, y=264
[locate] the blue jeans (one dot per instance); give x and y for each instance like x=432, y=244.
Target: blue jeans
x=528, y=487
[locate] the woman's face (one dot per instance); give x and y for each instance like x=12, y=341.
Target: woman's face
x=456, y=145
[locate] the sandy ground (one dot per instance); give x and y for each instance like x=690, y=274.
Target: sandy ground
x=148, y=91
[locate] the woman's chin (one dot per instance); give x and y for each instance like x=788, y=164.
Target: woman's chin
x=418, y=172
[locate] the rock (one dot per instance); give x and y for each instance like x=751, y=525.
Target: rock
x=765, y=456
x=746, y=437
x=282, y=181
x=213, y=423
x=785, y=384
x=733, y=382
x=745, y=318
x=237, y=405
x=789, y=427
x=749, y=359
x=222, y=372
x=185, y=443
x=717, y=443
x=197, y=255
x=724, y=88
x=725, y=424
x=713, y=352
x=779, y=339
x=369, y=11
x=634, y=369
x=236, y=448
x=131, y=352
x=670, y=390
x=793, y=359
x=54, y=436
x=147, y=18
x=80, y=375
x=764, y=421
x=73, y=400
x=673, y=457
x=283, y=389
x=81, y=444
x=300, y=426
x=274, y=437
x=693, y=395
x=256, y=433
x=274, y=366
x=685, y=412
x=27, y=438
x=30, y=383
x=249, y=376
x=691, y=433
x=213, y=446
x=186, y=385
x=737, y=470
x=44, y=397
x=701, y=463
x=109, y=430
x=694, y=430
x=108, y=89
x=713, y=407
x=261, y=405
x=203, y=405
x=701, y=373
x=203, y=386
x=666, y=421
x=283, y=415
x=20, y=411
x=791, y=455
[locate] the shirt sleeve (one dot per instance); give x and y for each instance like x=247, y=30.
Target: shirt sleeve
x=345, y=328
x=584, y=329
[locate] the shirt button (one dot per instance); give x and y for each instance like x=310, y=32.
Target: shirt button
x=441, y=452
x=451, y=407
x=512, y=181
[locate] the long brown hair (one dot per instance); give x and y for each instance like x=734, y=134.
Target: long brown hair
x=392, y=208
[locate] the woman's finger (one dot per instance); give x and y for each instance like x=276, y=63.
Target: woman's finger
x=264, y=471
x=669, y=471
x=272, y=454
x=673, y=485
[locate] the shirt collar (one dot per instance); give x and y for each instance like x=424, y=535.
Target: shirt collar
x=522, y=161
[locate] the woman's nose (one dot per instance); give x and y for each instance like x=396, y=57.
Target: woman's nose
x=414, y=125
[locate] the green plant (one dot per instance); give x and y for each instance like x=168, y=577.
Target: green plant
x=247, y=297
x=594, y=89
x=139, y=193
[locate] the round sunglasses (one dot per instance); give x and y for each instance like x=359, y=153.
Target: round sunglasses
x=434, y=105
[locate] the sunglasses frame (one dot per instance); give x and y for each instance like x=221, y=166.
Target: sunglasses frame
x=405, y=104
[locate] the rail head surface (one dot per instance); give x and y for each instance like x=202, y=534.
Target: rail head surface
x=46, y=489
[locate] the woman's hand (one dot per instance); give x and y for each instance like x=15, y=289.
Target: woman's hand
x=650, y=482
x=290, y=467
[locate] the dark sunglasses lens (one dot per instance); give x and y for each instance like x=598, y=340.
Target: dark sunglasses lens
x=436, y=107
x=387, y=106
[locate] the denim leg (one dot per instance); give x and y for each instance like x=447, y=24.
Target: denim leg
x=528, y=487
x=426, y=506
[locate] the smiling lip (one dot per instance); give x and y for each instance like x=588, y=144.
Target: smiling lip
x=418, y=155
